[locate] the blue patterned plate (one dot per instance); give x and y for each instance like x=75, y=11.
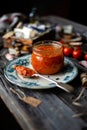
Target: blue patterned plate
x=68, y=73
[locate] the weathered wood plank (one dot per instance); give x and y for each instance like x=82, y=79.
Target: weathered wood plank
x=56, y=110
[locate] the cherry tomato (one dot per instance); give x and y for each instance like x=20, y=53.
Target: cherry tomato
x=77, y=53
x=85, y=56
x=67, y=51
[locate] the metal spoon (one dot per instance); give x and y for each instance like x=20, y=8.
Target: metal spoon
x=66, y=87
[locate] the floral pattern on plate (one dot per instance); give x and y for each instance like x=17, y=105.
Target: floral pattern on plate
x=68, y=73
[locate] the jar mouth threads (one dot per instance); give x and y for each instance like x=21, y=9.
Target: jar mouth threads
x=47, y=57
x=39, y=47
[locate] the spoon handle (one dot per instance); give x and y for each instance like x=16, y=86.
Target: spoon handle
x=68, y=88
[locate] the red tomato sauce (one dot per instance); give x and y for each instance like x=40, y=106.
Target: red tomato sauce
x=47, y=59
x=24, y=71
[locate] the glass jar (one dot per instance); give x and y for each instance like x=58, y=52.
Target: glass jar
x=47, y=57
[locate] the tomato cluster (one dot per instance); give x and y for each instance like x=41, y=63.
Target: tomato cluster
x=75, y=51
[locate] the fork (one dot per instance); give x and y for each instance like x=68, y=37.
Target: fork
x=30, y=100
x=6, y=83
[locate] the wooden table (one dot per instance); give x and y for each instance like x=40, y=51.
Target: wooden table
x=56, y=112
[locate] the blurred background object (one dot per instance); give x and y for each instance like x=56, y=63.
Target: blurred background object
x=71, y=9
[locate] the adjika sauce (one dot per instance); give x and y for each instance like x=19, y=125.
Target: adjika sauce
x=47, y=58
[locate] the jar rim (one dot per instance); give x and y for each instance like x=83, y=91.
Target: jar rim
x=46, y=42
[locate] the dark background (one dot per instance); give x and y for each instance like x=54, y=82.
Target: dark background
x=78, y=11
x=45, y=7
x=72, y=9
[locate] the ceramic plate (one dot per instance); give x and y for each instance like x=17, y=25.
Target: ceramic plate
x=68, y=73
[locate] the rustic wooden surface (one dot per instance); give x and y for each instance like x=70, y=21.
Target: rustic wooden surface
x=56, y=112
